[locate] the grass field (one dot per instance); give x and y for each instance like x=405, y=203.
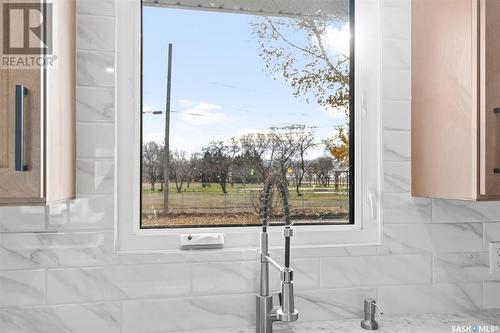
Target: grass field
x=198, y=205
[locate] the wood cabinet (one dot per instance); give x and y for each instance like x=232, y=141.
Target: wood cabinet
x=37, y=117
x=455, y=148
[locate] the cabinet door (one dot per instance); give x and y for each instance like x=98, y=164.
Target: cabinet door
x=21, y=187
x=489, y=98
x=444, y=121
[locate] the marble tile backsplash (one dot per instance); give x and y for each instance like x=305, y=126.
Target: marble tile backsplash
x=59, y=272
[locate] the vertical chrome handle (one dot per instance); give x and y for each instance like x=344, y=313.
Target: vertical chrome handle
x=21, y=91
x=496, y=111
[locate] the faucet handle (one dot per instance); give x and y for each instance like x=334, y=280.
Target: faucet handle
x=287, y=311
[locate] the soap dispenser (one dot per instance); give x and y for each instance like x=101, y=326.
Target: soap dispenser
x=369, y=323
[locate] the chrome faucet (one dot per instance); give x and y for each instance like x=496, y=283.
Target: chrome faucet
x=267, y=312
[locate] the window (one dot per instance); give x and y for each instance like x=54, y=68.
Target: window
x=250, y=82
x=262, y=90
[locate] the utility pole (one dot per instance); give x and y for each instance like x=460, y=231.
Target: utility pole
x=166, y=158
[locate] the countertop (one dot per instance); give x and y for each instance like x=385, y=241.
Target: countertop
x=472, y=321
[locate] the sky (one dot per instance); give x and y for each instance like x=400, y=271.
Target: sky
x=219, y=87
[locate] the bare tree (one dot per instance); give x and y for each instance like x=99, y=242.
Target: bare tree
x=194, y=161
x=180, y=169
x=152, y=163
x=304, y=140
x=221, y=157
x=204, y=166
x=260, y=149
x=283, y=139
x=322, y=168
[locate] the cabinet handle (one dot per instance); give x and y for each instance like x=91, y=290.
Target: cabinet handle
x=496, y=111
x=21, y=91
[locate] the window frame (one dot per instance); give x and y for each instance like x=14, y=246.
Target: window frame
x=366, y=229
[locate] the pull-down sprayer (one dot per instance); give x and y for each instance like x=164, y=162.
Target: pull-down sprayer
x=285, y=311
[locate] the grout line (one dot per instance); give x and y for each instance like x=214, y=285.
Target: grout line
x=389, y=129
x=46, y=212
x=395, y=39
x=320, y=279
x=482, y=295
x=121, y=317
x=46, y=302
x=80, y=85
x=433, y=261
x=75, y=231
x=107, y=88
x=101, y=52
x=95, y=158
x=191, y=292
x=387, y=99
x=432, y=215
x=79, y=49
x=111, y=16
x=95, y=122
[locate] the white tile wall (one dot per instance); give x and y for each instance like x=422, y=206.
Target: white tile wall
x=22, y=219
x=491, y=292
x=461, y=267
x=491, y=233
x=95, y=33
x=94, y=176
x=47, y=250
x=375, y=271
x=191, y=313
x=112, y=283
x=430, y=298
x=431, y=238
x=224, y=277
x=396, y=146
x=22, y=288
x=403, y=208
x=460, y=211
x=396, y=177
x=81, y=318
x=95, y=68
x=95, y=104
x=331, y=304
x=59, y=273
x=396, y=115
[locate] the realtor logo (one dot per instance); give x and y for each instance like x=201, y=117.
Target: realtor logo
x=27, y=28
x=27, y=34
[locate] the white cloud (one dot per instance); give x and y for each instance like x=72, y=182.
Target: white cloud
x=203, y=114
x=185, y=127
x=337, y=40
x=185, y=103
x=338, y=115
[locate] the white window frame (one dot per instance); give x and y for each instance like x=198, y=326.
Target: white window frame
x=367, y=227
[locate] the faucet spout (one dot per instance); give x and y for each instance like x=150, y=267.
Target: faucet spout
x=286, y=311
